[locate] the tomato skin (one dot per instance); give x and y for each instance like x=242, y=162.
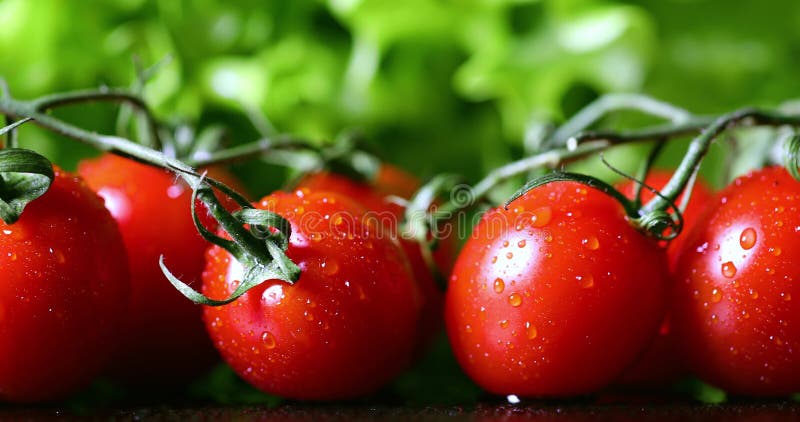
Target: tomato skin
x=64, y=290
x=343, y=330
x=661, y=362
x=165, y=340
x=554, y=296
x=391, y=180
x=733, y=298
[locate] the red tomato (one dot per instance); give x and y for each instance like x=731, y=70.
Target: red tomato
x=63, y=293
x=555, y=296
x=661, y=363
x=165, y=340
x=393, y=181
x=735, y=283
x=343, y=330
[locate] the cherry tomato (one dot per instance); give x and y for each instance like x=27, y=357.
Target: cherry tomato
x=393, y=181
x=165, y=340
x=555, y=296
x=661, y=363
x=735, y=298
x=64, y=290
x=343, y=330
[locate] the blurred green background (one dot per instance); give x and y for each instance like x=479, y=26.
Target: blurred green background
x=436, y=85
x=454, y=81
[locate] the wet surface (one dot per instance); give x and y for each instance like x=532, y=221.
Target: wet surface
x=667, y=412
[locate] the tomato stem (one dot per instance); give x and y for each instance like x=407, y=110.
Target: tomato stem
x=259, y=256
x=256, y=149
x=700, y=144
x=606, y=104
x=52, y=101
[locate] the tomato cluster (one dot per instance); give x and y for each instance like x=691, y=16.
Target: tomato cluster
x=557, y=294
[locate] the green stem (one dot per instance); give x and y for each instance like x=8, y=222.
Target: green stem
x=501, y=174
x=255, y=149
x=606, y=104
x=48, y=102
x=121, y=146
x=699, y=147
x=689, y=127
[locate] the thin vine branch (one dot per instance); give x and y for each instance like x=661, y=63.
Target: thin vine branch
x=51, y=101
x=606, y=104
x=700, y=144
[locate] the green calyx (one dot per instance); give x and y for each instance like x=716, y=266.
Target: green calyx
x=791, y=158
x=261, y=250
x=24, y=176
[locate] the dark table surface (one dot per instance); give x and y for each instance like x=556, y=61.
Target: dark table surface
x=753, y=411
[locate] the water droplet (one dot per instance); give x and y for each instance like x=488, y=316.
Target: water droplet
x=174, y=191
x=309, y=316
x=521, y=243
x=299, y=210
x=268, y=339
x=494, y=259
x=541, y=216
x=503, y=323
x=753, y=293
x=505, y=243
x=12, y=256
x=748, y=238
x=468, y=328
x=548, y=238
x=510, y=255
x=728, y=269
x=272, y=295
x=716, y=295
x=531, y=331
x=329, y=267
x=591, y=243
x=586, y=281
x=786, y=296
x=499, y=285
x=775, y=251
x=515, y=299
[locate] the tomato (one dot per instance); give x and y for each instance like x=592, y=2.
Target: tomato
x=661, y=363
x=555, y=296
x=165, y=340
x=63, y=294
x=373, y=196
x=735, y=283
x=343, y=330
